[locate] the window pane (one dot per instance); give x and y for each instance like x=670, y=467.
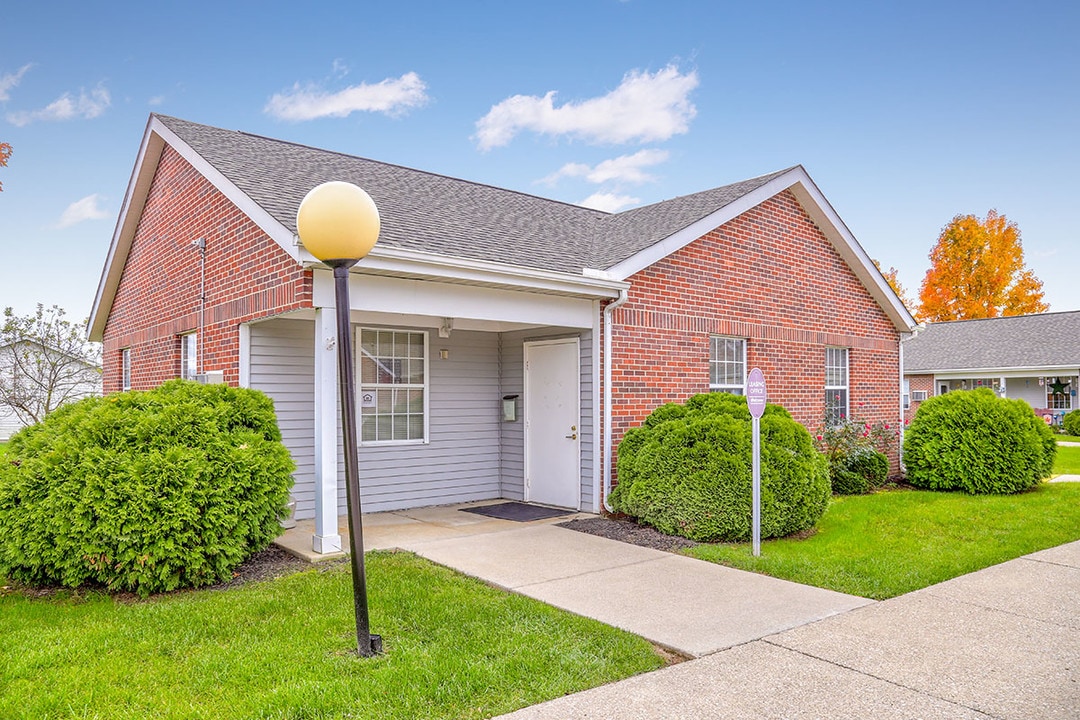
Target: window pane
x=393, y=371
x=727, y=365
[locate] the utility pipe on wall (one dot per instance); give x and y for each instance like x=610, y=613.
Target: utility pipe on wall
x=607, y=460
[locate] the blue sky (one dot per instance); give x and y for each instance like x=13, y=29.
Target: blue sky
x=905, y=114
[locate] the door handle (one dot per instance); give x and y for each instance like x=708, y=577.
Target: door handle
x=572, y=437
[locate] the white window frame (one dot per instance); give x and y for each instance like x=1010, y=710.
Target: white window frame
x=919, y=395
x=1051, y=402
x=907, y=394
x=189, y=355
x=363, y=387
x=831, y=354
x=716, y=342
x=125, y=369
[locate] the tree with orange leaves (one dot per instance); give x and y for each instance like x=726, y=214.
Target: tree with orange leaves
x=977, y=271
x=890, y=276
x=5, y=153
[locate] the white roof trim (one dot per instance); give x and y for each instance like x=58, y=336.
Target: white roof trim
x=156, y=136
x=820, y=211
x=419, y=264
x=1021, y=371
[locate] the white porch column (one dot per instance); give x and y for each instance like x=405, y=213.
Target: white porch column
x=326, y=538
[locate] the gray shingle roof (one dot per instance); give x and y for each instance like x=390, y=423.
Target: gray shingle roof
x=447, y=216
x=1025, y=341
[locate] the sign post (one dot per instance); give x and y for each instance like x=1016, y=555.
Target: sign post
x=755, y=401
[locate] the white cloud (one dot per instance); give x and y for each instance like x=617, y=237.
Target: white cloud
x=609, y=202
x=157, y=100
x=623, y=169
x=646, y=107
x=391, y=96
x=81, y=210
x=9, y=81
x=67, y=107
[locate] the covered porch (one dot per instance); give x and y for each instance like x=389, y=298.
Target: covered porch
x=465, y=393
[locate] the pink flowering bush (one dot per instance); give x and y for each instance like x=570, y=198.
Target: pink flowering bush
x=857, y=452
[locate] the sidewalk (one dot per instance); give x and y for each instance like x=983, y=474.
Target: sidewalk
x=690, y=606
x=1003, y=643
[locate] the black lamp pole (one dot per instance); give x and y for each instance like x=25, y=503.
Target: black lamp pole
x=367, y=645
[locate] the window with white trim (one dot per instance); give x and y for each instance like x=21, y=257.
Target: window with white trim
x=836, y=385
x=125, y=369
x=727, y=365
x=1059, y=393
x=189, y=355
x=393, y=385
x=907, y=394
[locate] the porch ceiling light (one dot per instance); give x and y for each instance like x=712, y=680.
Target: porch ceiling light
x=338, y=223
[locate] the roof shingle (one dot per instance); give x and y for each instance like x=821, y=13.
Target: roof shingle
x=1024, y=341
x=447, y=216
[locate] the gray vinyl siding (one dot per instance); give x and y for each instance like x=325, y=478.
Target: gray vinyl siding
x=460, y=461
x=471, y=454
x=9, y=423
x=282, y=365
x=513, y=433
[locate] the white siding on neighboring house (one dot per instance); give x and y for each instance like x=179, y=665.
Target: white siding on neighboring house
x=9, y=423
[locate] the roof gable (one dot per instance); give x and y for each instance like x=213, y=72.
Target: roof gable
x=435, y=219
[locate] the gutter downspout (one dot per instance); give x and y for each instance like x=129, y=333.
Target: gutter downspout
x=901, y=426
x=624, y=295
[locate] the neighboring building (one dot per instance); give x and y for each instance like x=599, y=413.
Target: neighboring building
x=1032, y=357
x=65, y=377
x=483, y=317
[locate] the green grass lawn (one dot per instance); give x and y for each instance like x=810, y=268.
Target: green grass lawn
x=1067, y=460
x=455, y=648
x=882, y=545
x=1067, y=438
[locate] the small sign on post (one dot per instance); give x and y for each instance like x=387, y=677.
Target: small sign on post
x=755, y=402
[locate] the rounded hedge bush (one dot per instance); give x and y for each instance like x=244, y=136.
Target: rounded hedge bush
x=975, y=441
x=687, y=471
x=144, y=491
x=1071, y=423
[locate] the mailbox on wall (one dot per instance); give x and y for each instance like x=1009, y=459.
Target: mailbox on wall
x=509, y=408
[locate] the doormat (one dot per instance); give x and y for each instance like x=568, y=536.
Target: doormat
x=517, y=511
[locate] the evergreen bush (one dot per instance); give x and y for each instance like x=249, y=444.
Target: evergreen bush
x=1071, y=423
x=975, y=441
x=687, y=471
x=144, y=491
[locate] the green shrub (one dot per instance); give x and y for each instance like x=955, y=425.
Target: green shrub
x=687, y=471
x=975, y=441
x=857, y=454
x=144, y=491
x=1071, y=423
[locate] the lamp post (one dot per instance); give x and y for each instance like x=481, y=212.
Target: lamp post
x=339, y=224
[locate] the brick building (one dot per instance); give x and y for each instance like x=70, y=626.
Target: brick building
x=483, y=317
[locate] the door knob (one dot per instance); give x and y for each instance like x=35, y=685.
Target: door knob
x=572, y=437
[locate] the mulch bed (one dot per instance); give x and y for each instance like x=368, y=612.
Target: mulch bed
x=268, y=564
x=628, y=531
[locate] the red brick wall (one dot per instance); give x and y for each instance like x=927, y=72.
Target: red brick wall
x=769, y=276
x=248, y=276
x=918, y=382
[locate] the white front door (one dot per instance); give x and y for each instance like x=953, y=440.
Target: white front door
x=553, y=422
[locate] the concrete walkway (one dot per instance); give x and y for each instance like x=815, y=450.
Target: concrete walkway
x=1000, y=643
x=690, y=606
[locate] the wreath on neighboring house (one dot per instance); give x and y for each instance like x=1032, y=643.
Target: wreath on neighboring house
x=1059, y=388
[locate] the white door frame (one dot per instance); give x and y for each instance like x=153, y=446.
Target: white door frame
x=576, y=342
